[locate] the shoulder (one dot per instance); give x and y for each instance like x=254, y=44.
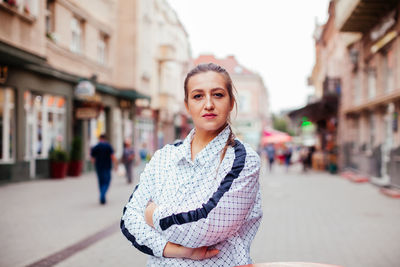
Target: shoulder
x=251, y=154
x=164, y=153
x=252, y=157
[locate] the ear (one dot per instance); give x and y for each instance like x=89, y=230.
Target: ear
x=186, y=106
x=232, y=105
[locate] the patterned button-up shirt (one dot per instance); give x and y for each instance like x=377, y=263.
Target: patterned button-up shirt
x=200, y=203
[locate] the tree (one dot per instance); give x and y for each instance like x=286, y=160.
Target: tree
x=281, y=124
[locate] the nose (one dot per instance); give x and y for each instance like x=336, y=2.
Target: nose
x=209, y=103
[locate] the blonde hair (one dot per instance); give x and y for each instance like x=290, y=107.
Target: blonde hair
x=202, y=68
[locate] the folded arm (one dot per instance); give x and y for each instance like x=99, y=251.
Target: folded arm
x=133, y=225
x=221, y=216
x=144, y=237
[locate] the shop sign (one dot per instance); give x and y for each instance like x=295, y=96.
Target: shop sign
x=85, y=89
x=383, y=27
x=86, y=113
x=382, y=42
x=145, y=113
x=125, y=104
x=3, y=74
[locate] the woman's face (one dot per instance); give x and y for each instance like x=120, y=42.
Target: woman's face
x=209, y=103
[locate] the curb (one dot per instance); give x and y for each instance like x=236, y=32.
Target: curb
x=390, y=192
x=354, y=177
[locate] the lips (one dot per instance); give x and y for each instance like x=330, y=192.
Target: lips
x=209, y=116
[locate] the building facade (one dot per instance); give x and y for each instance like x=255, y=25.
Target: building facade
x=369, y=135
x=253, y=114
x=71, y=68
x=321, y=115
x=163, y=62
x=51, y=53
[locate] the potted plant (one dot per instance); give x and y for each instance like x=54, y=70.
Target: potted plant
x=11, y=2
x=76, y=157
x=58, y=163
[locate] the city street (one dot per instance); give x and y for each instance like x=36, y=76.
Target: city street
x=313, y=217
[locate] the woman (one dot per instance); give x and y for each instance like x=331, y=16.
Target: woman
x=198, y=202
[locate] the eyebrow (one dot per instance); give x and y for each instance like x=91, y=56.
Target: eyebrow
x=212, y=90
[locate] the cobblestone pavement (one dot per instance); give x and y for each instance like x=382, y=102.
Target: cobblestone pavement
x=313, y=217
x=318, y=217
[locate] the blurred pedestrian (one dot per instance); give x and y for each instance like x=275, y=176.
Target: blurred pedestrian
x=288, y=156
x=270, y=151
x=306, y=155
x=143, y=153
x=198, y=202
x=102, y=156
x=128, y=156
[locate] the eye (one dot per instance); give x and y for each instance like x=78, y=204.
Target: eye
x=219, y=94
x=197, y=96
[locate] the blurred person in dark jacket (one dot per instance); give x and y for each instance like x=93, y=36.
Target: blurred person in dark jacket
x=270, y=151
x=102, y=156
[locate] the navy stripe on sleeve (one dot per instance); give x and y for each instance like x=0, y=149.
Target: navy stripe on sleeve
x=200, y=213
x=130, y=237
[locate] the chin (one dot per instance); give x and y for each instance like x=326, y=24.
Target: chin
x=211, y=128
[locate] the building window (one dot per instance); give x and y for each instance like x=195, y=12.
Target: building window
x=28, y=7
x=49, y=18
x=102, y=47
x=7, y=125
x=372, y=130
x=357, y=88
x=76, y=30
x=244, y=103
x=46, y=119
x=388, y=79
x=371, y=83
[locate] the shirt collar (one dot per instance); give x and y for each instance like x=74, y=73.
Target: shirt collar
x=212, y=148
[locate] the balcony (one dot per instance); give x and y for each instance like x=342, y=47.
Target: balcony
x=362, y=15
x=21, y=11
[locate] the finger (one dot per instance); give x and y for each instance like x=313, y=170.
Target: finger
x=211, y=253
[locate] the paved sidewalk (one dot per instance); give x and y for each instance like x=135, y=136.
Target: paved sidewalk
x=318, y=217
x=313, y=217
x=41, y=217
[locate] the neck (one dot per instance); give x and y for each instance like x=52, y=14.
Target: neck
x=201, y=139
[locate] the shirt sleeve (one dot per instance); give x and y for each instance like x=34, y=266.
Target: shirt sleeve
x=133, y=225
x=221, y=216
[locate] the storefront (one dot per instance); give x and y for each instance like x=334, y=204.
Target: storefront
x=145, y=129
x=318, y=124
x=35, y=117
x=107, y=111
x=39, y=111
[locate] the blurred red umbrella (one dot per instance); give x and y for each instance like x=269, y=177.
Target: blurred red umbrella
x=275, y=137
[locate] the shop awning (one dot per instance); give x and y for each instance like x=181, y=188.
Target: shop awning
x=130, y=94
x=133, y=94
x=10, y=55
x=322, y=109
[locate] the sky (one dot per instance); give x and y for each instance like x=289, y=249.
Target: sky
x=270, y=37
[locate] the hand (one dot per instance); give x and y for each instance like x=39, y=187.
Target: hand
x=148, y=213
x=200, y=253
x=173, y=250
